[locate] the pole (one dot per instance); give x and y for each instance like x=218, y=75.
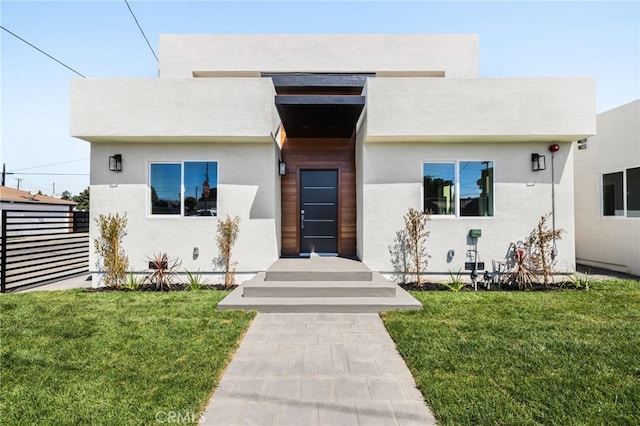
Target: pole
x=554, y=253
x=19, y=180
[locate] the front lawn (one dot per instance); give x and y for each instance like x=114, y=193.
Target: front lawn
x=112, y=358
x=524, y=358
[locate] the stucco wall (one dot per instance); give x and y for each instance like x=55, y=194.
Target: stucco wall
x=393, y=184
x=248, y=187
x=172, y=110
x=182, y=55
x=607, y=241
x=491, y=110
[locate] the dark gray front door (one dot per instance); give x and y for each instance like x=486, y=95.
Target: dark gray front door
x=318, y=211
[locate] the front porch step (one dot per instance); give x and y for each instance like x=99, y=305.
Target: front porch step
x=378, y=286
x=401, y=301
x=318, y=269
x=319, y=285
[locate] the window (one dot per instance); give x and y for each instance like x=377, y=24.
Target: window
x=186, y=189
x=463, y=188
x=633, y=192
x=612, y=193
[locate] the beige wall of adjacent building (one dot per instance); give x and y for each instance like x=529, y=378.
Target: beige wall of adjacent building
x=612, y=242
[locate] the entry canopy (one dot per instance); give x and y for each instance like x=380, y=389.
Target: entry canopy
x=319, y=116
x=319, y=105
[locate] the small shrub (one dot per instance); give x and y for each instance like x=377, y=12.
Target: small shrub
x=455, y=283
x=108, y=246
x=133, y=282
x=581, y=282
x=226, y=237
x=163, y=271
x=415, y=222
x=195, y=281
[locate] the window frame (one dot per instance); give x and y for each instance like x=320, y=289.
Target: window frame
x=625, y=194
x=457, y=188
x=182, y=214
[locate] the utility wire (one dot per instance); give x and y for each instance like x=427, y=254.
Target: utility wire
x=51, y=164
x=143, y=34
x=51, y=174
x=41, y=51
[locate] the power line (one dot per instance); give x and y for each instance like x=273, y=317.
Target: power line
x=51, y=174
x=143, y=34
x=196, y=15
x=42, y=51
x=51, y=164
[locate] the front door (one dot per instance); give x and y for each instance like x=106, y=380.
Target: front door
x=319, y=211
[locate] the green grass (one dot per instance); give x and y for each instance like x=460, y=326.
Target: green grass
x=525, y=358
x=114, y=357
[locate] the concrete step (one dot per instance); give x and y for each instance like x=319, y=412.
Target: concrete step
x=401, y=301
x=377, y=287
x=318, y=269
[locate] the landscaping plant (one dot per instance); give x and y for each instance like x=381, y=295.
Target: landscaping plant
x=163, y=271
x=542, y=253
x=108, y=246
x=133, y=282
x=226, y=237
x=195, y=280
x=415, y=223
x=455, y=283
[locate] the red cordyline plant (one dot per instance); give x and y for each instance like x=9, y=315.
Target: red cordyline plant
x=163, y=271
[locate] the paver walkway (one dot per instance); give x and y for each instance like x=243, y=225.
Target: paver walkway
x=317, y=369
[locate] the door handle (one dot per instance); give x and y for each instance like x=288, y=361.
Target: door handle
x=302, y=219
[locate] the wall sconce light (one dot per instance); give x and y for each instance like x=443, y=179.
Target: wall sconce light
x=538, y=162
x=115, y=163
x=282, y=168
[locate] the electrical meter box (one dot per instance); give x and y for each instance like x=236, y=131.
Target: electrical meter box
x=475, y=233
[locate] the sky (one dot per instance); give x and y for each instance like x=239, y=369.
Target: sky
x=100, y=39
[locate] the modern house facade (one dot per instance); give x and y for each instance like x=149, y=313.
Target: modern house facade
x=607, y=183
x=321, y=143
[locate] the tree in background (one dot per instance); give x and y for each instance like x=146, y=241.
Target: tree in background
x=82, y=199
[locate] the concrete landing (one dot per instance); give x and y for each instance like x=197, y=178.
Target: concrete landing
x=321, y=284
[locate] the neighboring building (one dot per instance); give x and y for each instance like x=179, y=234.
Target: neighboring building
x=19, y=203
x=363, y=127
x=607, y=200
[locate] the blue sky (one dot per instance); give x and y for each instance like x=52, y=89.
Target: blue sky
x=100, y=39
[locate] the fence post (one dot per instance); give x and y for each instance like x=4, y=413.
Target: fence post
x=3, y=253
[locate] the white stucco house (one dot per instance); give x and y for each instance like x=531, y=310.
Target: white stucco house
x=607, y=183
x=321, y=143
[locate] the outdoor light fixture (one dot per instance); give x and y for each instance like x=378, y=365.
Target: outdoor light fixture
x=115, y=163
x=554, y=147
x=282, y=168
x=538, y=162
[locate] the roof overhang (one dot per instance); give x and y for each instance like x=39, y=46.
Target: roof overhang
x=319, y=116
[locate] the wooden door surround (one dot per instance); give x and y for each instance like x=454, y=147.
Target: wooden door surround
x=319, y=153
